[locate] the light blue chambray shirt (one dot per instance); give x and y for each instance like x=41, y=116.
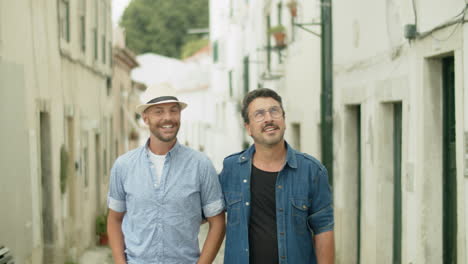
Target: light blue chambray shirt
x=162, y=222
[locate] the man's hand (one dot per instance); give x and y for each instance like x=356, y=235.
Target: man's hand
x=214, y=238
x=325, y=247
x=116, y=238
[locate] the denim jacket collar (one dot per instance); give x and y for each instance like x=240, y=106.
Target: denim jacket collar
x=290, y=155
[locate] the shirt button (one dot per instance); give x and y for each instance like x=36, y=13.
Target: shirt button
x=243, y=157
x=247, y=203
x=245, y=180
x=280, y=187
x=280, y=209
x=304, y=207
x=282, y=233
x=283, y=257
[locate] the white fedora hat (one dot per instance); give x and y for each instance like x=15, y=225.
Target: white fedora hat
x=158, y=94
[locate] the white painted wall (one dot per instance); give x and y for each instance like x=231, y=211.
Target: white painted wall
x=39, y=72
x=374, y=66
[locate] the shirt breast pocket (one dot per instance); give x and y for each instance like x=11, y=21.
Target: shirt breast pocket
x=233, y=202
x=299, y=213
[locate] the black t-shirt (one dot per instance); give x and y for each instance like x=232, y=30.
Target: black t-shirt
x=263, y=241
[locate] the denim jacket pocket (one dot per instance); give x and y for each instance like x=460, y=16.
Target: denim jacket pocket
x=299, y=212
x=233, y=200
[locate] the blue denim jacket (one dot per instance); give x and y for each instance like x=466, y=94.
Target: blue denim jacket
x=303, y=206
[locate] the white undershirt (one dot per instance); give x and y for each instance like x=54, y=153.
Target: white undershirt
x=158, y=163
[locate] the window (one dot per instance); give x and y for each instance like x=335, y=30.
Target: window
x=110, y=53
x=103, y=49
x=103, y=31
x=82, y=24
x=64, y=19
x=109, y=86
x=104, y=16
x=280, y=13
x=230, y=84
x=268, y=25
x=246, y=75
x=85, y=159
x=215, y=51
x=95, y=29
x=95, y=43
x=231, y=8
x=296, y=136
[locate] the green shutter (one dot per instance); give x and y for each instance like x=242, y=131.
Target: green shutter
x=68, y=20
x=268, y=22
x=359, y=187
x=95, y=44
x=246, y=75
x=83, y=32
x=231, y=92
x=397, y=194
x=104, y=49
x=449, y=163
x=215, y=51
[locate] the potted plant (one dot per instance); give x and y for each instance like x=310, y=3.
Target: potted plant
x=279, y=34
x=292, y=5
x=133, y=135
x=101, y=230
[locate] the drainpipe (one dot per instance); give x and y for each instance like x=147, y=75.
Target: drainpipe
x=327, y=88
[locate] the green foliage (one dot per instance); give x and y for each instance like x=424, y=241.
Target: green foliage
x=160, y=26
x=277, y=29
x=101, y=224
x=63, y=168
x=193, y=46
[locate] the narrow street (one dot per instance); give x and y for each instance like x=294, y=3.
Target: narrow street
x=375, y=91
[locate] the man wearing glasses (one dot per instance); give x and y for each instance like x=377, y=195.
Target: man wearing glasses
x=278, y=200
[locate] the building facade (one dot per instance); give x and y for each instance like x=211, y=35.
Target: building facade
x=398, y=113
x=400, y=139
x=55, y=77
x=124, y=97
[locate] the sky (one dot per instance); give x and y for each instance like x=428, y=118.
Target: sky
x=118, y=6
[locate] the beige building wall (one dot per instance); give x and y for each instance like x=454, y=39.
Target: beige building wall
x=124, y=96
x=53, y=91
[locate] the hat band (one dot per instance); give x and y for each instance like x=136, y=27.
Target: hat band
x=162, y=98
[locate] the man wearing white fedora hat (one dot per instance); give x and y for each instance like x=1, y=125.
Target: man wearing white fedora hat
x=160, y=192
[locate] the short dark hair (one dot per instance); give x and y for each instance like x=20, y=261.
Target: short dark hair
x=254, y=94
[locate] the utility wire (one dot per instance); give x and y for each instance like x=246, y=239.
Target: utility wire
x=449, y=36
x=457, y=20
x=416, y=14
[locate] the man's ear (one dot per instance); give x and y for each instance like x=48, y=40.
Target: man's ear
x=247, y=128
x=145, y=118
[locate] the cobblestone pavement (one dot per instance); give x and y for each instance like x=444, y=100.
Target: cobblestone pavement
x=102, y=255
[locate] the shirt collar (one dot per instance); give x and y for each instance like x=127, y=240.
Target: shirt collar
x=291, y=160
x=171, y=152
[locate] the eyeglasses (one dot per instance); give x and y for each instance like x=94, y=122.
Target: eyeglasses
x=275, y=113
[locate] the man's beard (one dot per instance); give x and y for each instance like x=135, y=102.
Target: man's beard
x=162, y=137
